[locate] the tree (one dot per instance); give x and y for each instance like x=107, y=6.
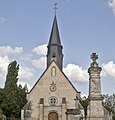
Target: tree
x=109, y=104
x=2, y=96
x=1, y=112
x=12, y=77
x=85, y=102
x=13, y=97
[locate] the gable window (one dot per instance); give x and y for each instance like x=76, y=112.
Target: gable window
x=53, y=72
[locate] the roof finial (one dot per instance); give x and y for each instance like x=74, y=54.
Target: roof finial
x=55, y=8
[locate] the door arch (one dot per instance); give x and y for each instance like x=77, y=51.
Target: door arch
x=53, y=116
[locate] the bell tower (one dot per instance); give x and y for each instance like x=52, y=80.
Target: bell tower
x=54, y=46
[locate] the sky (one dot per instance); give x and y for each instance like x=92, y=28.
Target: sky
x=85, y=26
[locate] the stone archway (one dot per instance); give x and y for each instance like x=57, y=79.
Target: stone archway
x=53, y=116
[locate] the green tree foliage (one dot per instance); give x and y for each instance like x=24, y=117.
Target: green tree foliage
x=113, y=116
x=15, y=100
x=12, y=77
x=12, y=97
x=1, y=112
x=109, y=104
x=85, y=102
x=2, y=96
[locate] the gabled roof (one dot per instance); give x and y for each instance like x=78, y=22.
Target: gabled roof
x=61, y=72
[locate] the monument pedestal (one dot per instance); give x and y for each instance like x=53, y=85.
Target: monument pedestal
x=96, y=109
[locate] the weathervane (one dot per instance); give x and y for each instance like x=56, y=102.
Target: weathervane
x=55, y=8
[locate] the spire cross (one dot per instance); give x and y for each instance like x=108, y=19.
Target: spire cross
x=94, y=57
x=55, y=8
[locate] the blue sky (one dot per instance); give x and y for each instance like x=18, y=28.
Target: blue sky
x=85, y=26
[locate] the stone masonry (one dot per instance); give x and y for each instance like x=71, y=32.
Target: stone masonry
x=96, y=109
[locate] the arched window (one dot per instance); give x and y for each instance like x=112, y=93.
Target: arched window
x=53, y=72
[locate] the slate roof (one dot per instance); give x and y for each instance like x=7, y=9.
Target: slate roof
x=54, y=37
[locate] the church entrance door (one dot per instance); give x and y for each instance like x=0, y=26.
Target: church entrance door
x=53, y=116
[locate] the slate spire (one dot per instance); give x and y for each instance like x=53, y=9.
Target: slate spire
x=54, y=47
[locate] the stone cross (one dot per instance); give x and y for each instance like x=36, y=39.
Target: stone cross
x=94, y=57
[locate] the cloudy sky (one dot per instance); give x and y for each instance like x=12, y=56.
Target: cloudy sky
x=85, y=26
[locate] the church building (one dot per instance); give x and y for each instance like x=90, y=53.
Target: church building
x=53, y=97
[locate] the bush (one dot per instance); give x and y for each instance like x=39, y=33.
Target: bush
x=1, y=112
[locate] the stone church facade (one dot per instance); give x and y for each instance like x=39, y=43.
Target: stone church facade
x=53, y=97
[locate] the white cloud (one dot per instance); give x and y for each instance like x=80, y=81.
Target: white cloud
x=112, y=5
x=4, y=61
x=25, y=73
x=109, y=69
x=7, y=50
x=39, y=63
x=41, y=50
x=2, y=20
x=76, y=73
x=26, y=57
x=25, y=83
x=84, y=96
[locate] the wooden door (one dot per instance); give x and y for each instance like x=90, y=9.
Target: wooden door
x=53, y=116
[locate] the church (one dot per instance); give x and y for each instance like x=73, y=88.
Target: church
x=53, y=97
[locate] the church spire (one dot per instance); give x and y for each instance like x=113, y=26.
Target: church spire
x=54, y=47
x=55, y=37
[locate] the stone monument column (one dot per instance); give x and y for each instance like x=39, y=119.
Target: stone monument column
x=96, y=110
x=94, y=78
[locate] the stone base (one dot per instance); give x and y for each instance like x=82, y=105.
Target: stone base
x=96, y=118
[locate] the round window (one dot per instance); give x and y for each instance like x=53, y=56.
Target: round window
x=53, y=100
